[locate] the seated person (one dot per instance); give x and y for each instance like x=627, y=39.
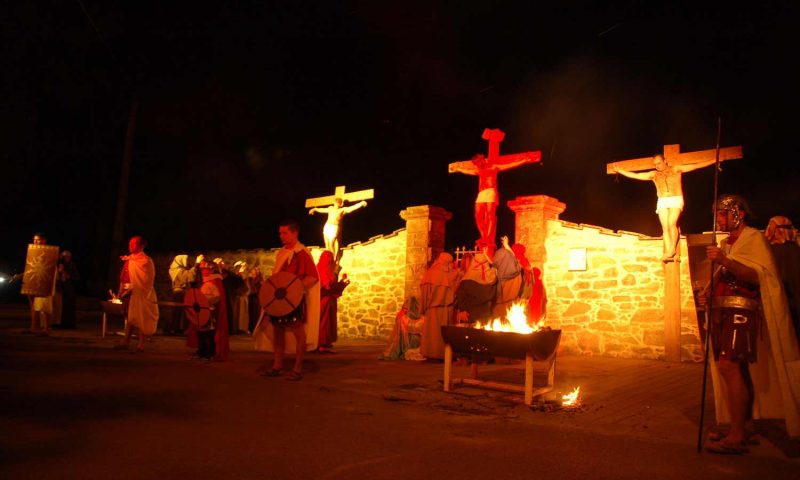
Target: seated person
x=476, y=292
x=405, y=339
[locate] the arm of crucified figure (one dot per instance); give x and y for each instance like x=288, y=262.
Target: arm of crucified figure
x=467, y=168
x=636, y=175
x=352, y=208
x=695, y=166
x=319, y=209
x=508, y=166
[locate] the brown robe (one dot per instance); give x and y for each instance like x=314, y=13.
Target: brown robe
x=437, y=308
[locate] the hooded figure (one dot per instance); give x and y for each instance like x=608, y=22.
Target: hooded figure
x=476, y=292
x=330, y=291
x=438, y=290
x=212, y=283
x=782, y=238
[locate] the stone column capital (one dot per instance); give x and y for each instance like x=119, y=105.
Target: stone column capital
x=425, y=211
x=550, y=206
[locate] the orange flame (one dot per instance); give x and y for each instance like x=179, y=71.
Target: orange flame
x=516, y=321
x=571, y=399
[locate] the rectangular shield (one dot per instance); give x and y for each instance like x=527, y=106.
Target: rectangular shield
x=41, y=263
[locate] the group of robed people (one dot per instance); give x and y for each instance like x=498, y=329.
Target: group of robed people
x=475, y=289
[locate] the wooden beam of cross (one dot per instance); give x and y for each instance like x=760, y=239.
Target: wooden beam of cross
x=339, y=192
x=673, y=156
x=494, y=137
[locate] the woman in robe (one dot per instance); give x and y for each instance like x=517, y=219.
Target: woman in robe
x=782, y=238
x=438, y=289
x=241, y=313
x=509, y=275
x=537, y=304
x=331, y=290
x=254, y=280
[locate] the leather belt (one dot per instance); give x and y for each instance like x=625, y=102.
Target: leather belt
x=742, y=303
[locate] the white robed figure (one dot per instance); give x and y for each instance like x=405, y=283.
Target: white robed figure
x=143, y=308
x=136, y=285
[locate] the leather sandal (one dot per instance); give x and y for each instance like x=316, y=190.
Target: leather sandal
x=719, y=436
x=294, y=376
x=723, y=448
x=750, y=433
x=272, y=372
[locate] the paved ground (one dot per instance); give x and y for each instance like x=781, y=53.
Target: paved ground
x=72, y=408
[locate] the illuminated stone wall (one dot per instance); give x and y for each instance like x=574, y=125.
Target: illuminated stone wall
x=614, y=307
x=376, y=270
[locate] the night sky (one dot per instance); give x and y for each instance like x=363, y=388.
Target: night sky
x=248, y=108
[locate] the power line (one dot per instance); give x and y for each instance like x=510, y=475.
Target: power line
x=97, y=30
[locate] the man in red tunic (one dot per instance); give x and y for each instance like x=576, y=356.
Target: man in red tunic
x=293, y=258
x=212, y=275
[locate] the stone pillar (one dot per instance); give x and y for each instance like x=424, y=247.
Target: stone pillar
x=425, y=228
x=530, y=225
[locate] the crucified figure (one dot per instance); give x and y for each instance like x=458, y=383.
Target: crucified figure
x=331, y=229
x=487, y=200
x=670, y=196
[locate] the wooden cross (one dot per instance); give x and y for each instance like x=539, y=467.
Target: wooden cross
x=672, y=291
x=673, y=156
x=339, y=192
x=494, y=137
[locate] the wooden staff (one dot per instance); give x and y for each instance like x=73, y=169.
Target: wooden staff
x=710, y=292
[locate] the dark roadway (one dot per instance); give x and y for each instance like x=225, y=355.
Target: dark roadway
x=73, y=408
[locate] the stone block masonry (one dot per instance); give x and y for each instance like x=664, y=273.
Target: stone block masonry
x=614, y=307
x=383, y=271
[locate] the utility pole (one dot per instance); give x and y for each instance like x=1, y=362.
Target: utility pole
x=117, y=238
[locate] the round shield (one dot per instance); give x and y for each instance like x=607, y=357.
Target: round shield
x=211, y=292
x=281, y=294
x=197, y=308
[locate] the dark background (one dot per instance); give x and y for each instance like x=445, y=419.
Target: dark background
x=249, y=108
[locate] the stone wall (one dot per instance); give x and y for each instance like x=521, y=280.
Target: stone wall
x=614, y=307
x=376, y=270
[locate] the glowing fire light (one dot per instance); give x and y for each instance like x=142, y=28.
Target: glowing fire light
x=571, y=399
x=516, y=321
x=114, y=297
